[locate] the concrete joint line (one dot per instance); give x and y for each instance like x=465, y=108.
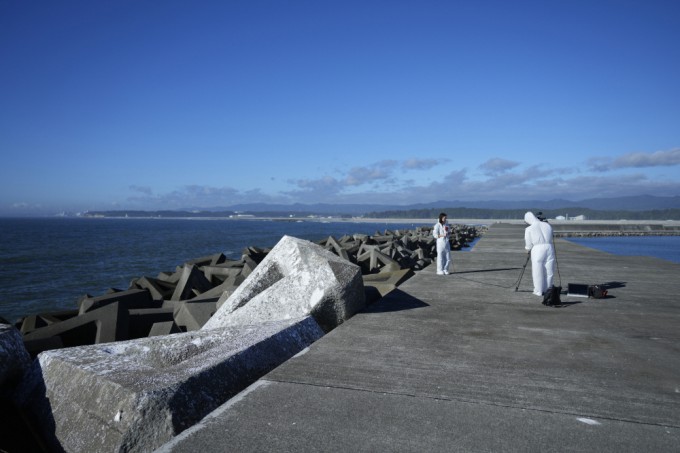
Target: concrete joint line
x=468, y=401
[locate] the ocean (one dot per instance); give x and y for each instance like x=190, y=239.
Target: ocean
x=47, y=264
x=664, y=247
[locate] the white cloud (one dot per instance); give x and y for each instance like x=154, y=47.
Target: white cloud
x=141, y=189
x=656, y=159
x=497, y=165
x=422, y=164
x=199, y=196
x=383, y=182
x=637, y=160
x=375, y=172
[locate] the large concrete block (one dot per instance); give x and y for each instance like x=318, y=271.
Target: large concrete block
x=135, y=395
x=221, y=272
x=217, y=258
x=385, y=282
x=131, y=298
x=142, y=320
x=192, y=315
x=103, y=325
x=14, y=358
x=249, y=265
x=164, y=328
x=191, y=283
x=158, y=289
x=229, y=284
x=297, y=278
x=33, y=322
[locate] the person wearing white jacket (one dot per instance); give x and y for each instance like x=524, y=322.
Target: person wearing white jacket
x=538, y=238
x=441, y=231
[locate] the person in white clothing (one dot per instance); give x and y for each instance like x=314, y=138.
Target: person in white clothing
x=441, y=231
x=538, y=238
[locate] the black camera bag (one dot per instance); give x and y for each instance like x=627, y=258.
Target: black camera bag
x=551, y=297
x=597, y=291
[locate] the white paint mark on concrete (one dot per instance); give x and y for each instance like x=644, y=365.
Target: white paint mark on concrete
x=588, y=421
x=303, y=352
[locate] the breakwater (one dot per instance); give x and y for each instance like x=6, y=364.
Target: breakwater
x=140, y=317
x=183, y=300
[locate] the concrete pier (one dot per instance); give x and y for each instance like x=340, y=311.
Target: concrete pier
x=465, y=363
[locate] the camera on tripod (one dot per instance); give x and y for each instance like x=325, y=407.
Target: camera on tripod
x=541, y=217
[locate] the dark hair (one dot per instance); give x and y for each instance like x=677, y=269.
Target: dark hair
x=441, y=216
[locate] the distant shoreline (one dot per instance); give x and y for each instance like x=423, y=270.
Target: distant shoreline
x=673, y=224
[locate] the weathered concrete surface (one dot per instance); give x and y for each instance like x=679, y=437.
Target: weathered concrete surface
x=297, y=278
x=465, y=363
x=135, y=395
x=384, y=282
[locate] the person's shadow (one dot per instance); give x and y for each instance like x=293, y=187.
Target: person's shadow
x=395, y=300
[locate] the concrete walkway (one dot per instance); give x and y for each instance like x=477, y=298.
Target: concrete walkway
x=465, y=363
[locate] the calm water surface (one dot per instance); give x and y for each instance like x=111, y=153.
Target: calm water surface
x=664, y=247
x=47, y=264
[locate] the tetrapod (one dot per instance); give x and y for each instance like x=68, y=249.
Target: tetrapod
x=523, y=268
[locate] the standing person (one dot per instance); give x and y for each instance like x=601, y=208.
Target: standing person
x=538, y=238
x=441, y=231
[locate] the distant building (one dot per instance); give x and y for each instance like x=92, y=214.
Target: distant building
x=566, y=217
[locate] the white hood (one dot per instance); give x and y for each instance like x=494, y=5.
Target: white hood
x=530, y=218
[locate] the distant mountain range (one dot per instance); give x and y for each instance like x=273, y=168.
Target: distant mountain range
x=605, y=208
x=637, y=203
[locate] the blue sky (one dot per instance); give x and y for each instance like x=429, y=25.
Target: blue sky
x=177, y=104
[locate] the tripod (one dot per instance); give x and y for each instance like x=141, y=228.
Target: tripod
x=523, y=269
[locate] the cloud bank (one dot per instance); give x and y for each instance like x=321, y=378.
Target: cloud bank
x=411, y=181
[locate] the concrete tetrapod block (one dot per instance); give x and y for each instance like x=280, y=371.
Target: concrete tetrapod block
x=103, y=325
x=141, y=321
x=135, y=395
x=131, y=298
x=297, y=278
x=192, y=279
x=193, y=315
x=164, y=328
x=158, y=289
x=385, y=282
x=33, y=322
x=14, y=358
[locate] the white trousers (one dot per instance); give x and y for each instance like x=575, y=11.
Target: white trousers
x=542, y=267
x=443, y=254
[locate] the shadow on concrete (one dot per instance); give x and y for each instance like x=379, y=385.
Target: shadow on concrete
x=396, y=300
x=567, y=304
x=488, y=270
x=35, y=426
x=612, y=285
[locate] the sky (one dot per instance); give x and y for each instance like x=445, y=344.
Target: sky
x=112, y=105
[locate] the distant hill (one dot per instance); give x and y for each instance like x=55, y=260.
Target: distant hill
x=637, y=203
x=633, y=208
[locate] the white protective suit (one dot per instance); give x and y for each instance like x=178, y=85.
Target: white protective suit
x=442, y=232
x=538, y=238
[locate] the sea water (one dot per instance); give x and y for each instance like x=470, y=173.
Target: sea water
x=664, y=247
x=47, y=264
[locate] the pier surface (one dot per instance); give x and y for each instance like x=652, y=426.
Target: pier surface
x=465, y=363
